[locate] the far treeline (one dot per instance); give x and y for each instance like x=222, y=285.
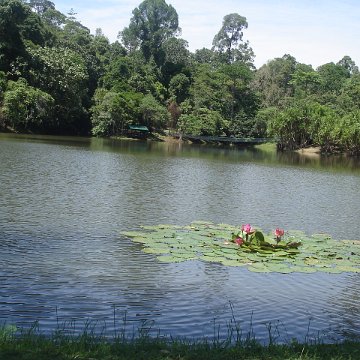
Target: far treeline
x=57, y=78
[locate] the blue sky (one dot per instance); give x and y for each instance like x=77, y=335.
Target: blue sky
x=314, y=32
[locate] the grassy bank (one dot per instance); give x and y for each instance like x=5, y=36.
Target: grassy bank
x=31, y=345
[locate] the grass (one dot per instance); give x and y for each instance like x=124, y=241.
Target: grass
x=31, y=344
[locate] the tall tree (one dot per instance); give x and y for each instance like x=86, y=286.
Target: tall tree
x=349, y=64
x=229, y=40
x=153, y=22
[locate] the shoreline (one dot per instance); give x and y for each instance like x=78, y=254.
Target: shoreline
x=309, y=152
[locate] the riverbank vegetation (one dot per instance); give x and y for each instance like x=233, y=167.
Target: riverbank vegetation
x=32, y=345
x=57, y=78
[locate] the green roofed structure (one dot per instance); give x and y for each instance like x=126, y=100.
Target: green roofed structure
x=138, y=131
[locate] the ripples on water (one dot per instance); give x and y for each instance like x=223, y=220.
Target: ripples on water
x=64, y=202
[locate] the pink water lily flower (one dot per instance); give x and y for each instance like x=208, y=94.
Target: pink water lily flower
x=239, y=241
x=279, y=232
x=247, y=228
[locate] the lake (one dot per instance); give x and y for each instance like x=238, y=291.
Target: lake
x=64, y=202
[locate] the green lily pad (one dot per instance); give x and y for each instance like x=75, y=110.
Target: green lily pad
x=141, y=240
x=259, y=267
x=229, y=262
x=212, y=258
x=134, y=234
x=330, y=270
x=157, y=251
x=170, y=259
x=303, y=269
x=296, y=252
x=348, y=269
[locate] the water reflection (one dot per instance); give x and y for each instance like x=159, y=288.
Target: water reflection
x=266, y=155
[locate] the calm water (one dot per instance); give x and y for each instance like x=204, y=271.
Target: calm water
x=64, y=202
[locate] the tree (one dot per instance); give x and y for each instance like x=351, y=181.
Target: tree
x=153, y=22
x=204, y=122
x=117, y=74
x=205, y=56
x=3, y=83
x=273, y=81
x=153, y=114
x=305, y=81
x=348, y=132
x=228, y=41
x=26, y=108
x=61, y=72
x=303, y=122
x=238, y=77
x=41, y=6
x=176, y=58
x=349, y=99
x=179, y=88
x=208, y=89
x=333, y=77
x=347, y=63
x=112, y=112
x=17, y=25
x=52, y=19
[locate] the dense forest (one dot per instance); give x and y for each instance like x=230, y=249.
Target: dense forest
x=58, y=78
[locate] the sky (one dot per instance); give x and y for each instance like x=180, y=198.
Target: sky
x=315, y=32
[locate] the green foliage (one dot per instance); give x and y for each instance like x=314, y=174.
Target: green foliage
x=244, y=104
x=145, y=78
x=26, y=108
x=332, y=77
x=347, y=132
x=179, y=87
x=203, y=121
x=349, y=99
x=153, y=114
x=2, y=83
x=176, y=58
x=225, y=92
x=153, y=22
x=348, y=64
x=117, y=74
x=228, y=41
x=307, y=122
x=307, y=81
x=47, y=12
x=245, y=126
x=205, y=56
x=273, y=81
x=112, y=112
x=312, y=107
x=210, y=92
x=13, y=14
x=61, y=72
x=292, y=126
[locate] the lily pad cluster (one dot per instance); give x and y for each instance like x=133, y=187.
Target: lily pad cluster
x=283, y=252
